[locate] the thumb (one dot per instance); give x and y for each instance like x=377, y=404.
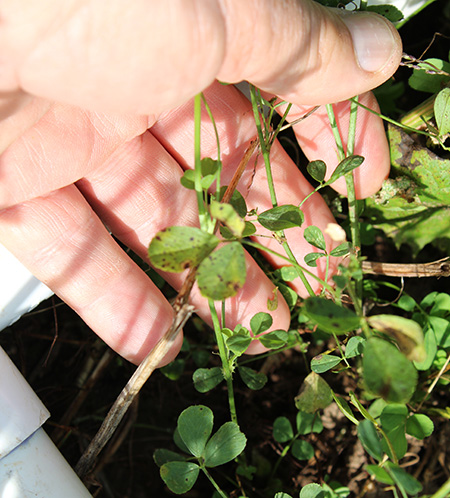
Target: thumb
x=307, y=53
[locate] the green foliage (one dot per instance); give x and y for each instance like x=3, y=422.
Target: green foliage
x=382, y=354
x=177, y=248
x=206, y=379
x=387, y=372
x=252, y=379
x=315, y=394
x=412, y=207
x=430, y=75
x=194, y=430
x=390, y=12
x=407, y=333
x=323, y=363
x=330, y=317
x=442, y=111
x=226, y=214
x=281, y=218
x=223, y=272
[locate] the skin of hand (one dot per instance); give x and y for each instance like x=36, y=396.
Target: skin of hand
x=96, y=128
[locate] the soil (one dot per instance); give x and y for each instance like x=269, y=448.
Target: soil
x=57, y=353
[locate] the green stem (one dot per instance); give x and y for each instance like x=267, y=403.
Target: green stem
x=202, y=213
x=300, y=271
x=223, y=352
x=340, y=349
x=293, y=262
x=335, y=130
x=392, y=121
x=266, y=156
x=263, y=145
x=349, y=180
x=213, y=482
x=216, y=132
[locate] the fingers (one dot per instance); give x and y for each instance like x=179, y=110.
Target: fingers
x=59, y=238
x=64, y=145
x=150, y=56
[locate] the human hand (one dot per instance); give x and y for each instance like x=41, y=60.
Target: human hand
x=91, y=134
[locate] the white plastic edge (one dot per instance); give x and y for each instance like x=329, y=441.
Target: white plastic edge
x=36, y=469
x=21, y=411
x=20, y=291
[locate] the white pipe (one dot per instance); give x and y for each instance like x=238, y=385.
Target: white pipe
x=30, y=464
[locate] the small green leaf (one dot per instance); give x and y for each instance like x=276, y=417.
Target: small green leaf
x=281, y=218
x=406, y=303
x=404, y=480
x=275, y=339
x=345, y=166
x=345, y=408
x=302, y=450
x=314, y=236
x=442, y=111
x=387, y=372
x=341, y=250
x=225, y=445
x=177, y=248
x=312, y=257
x=223, y=272
x=323, y=363
x=237, y=201
x=407, y=333
x=260, y=322
x=308, y=422
x=422, y=80
x=355, y=346
x=330, y=317
x=188, y=179
x=315, y=394
x=390, y=12
x=287, y=273
x=282, y=430
x=419, y=425
x=441, y=304
x=282, y=495
x=441, y=329
x=355, y=402
x=380, y=474
x=393, y=422
x=179, y=442
x=179, y=476
x=209, y=166
x=201, y=357
x=317, y=170
x=206, y=379
x=162, y=456
x=226, y=214
x=194, y=427
x=312, y=490
x=238, y=343
x=174, y=369
x=370, y=440
x=252, y=379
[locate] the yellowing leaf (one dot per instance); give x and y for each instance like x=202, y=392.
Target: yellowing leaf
x=407, y=333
